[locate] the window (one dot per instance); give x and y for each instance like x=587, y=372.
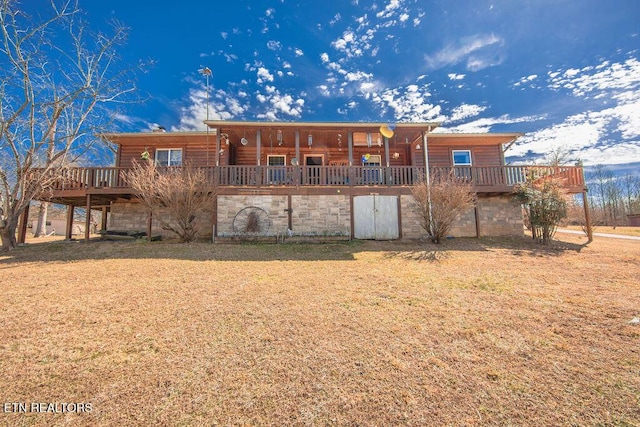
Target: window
x=276, y=160
x=371, y=160
x=277, y=170
x=169, y=157
x=461, y=157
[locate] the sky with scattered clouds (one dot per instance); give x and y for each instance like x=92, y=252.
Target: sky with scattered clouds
x=566, y=73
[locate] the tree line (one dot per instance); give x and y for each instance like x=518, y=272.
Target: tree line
x=611, y=197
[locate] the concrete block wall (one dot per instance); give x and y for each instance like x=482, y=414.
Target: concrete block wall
x=329, y=214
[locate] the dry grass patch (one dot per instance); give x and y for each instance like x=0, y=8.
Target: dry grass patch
x=476, y=332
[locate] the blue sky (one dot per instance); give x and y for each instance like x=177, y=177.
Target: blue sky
x=566, y=73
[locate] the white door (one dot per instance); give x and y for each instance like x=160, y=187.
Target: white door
x=375, y=217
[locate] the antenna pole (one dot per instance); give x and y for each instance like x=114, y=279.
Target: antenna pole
x=206, y=72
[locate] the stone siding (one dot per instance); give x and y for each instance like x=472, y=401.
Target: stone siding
x=274, y=206
x=321, y=215
x=326, y=215
x=133, y=216
x=499, y=216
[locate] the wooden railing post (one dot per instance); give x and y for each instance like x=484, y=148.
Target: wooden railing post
x=91, y=178
x=258, y=176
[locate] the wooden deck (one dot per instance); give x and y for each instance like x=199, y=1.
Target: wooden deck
x=110, y=183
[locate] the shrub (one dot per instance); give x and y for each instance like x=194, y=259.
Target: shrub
x=440, y=202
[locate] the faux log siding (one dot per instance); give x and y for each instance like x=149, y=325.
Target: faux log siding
x=246, y=156
x=439, y=155
x=195, y=154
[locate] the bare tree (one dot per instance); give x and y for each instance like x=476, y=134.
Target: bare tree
x=176, y=196
x=57, y=79
x=440, y=202
x=629, y=187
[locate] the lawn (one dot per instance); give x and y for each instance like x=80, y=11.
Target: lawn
x=475, y=332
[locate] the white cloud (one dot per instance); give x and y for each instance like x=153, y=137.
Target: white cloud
x=264, y=75
x=279, y=105
x=609, y=131
x=298, y=52
x=454, y=76
x=465, y=111
x=222, y=106
x=479, y=51
x=274, y=45
x=484, y=125
x=389, y=9
x=357, y=76
x=609, y=77
x=409, y=104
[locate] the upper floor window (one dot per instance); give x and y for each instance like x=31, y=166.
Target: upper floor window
x=461, y=157
x=169, y=157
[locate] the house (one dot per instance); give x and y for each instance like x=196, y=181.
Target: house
x=339, y=179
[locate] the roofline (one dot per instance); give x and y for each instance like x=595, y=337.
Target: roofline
x=477, y=134
x=108, y=135
x=222, y=123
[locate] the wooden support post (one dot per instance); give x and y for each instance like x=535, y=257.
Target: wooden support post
x=218, y=142
x=351, y=219
x=387, y=160
x=587, y=216
x=87, y=221
x=289, y=212
x=149, y=224
x=22, y=226
x=352, y=175
x=105, y=212
x=476, y=212
x=69, y=230
x=214, y=219
x=400, y=217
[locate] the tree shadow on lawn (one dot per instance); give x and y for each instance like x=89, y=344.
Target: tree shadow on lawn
x=70, y=251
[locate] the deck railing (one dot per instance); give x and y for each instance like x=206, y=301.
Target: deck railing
x=482, y=178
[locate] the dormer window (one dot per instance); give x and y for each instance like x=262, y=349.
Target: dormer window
x=169, y=157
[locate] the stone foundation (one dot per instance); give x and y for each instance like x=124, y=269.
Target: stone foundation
x=274, y=206
x=325, y=215
x=133, y=216
x=321, y=215
x=498, y=216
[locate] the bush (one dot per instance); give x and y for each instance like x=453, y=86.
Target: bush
x=176, y=196
x=545, y=202
x=440, y=202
